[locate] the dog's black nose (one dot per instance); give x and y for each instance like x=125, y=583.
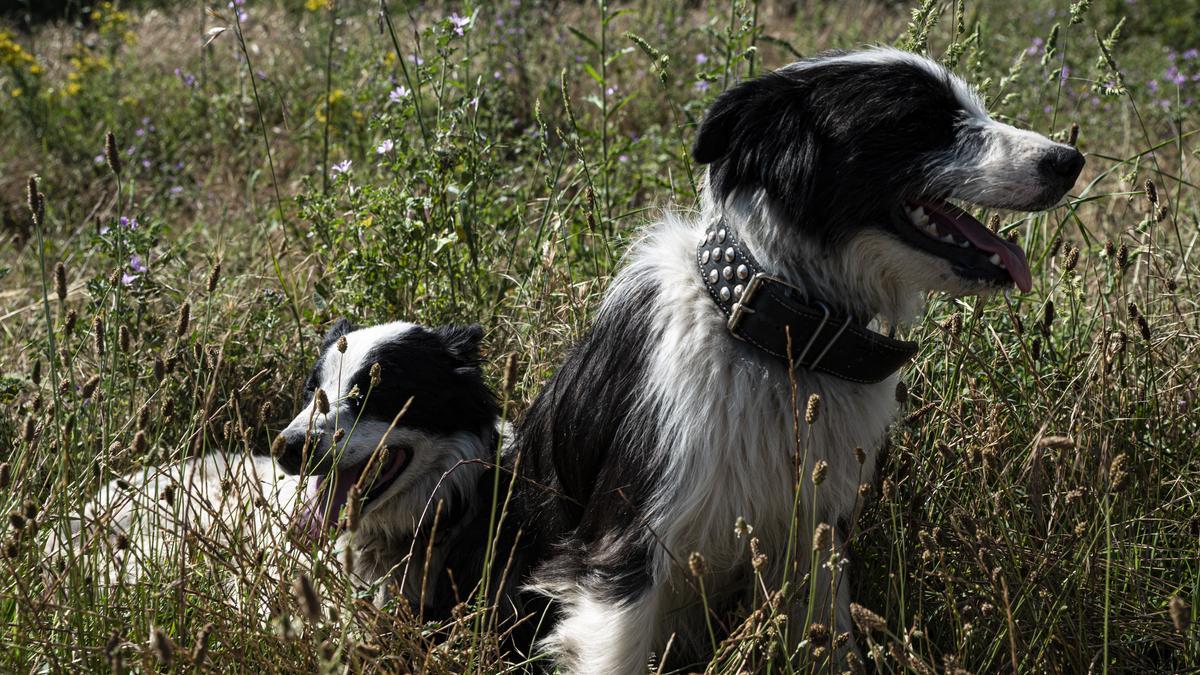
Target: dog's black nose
x=288, y=450
x=1061, y=164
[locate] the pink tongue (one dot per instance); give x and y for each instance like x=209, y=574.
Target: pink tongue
x=983, y=239
x=324, y=503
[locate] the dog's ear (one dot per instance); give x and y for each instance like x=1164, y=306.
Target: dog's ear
x=720, y=124
x=337, y=330
x=462, y=341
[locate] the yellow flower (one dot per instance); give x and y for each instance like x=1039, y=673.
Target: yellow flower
x=390, y=57
x=316, y=5
x=72, y=88
x=35, y=69
x=16, y=93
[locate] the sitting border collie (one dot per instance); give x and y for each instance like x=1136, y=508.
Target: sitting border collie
x=396, y=418
x=826, y=215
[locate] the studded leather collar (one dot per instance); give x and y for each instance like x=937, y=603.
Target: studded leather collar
x=765, y=311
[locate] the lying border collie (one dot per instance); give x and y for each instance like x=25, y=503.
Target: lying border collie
x=826, y=214
x=396, y=418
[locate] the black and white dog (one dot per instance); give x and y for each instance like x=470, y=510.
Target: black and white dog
x=396, y=418
x=825, y=215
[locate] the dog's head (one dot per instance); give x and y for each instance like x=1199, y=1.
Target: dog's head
x=390, y=408
x=864, y=151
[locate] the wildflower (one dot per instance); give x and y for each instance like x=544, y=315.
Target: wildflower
x=459, y=23
x=127, y=279
x=702, y=85
x=128, y=223
x=701, y=58
x=341, y=167
x=316, y=5
x=136, y=264
x=385, y=147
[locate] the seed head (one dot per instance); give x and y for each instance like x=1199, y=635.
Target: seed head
x=140, y=444
x=820, y=470
x=866, y=620
x=864, y=489
x=1161, y=213
x=510, y=374
x=1047, y=317
x=182, y=321
x=70, y=321
x=375, y=375
x=1122, y=256
x=306, y=596
x=214, y=276
x=901, y=392
x=1181, y=615
x=1035, y=349
x=110, y=153
x=341, y=344
x=1072, y=259
x=160, y=369
x=200, y=650
x=264, y=413
x=162, y=646
x=697, y=564
x=29, y=430
x=353, y=509
x=1073, y=135
x=757, y=557
x=5, y=475
x=860, y=456
x=322, y=401
x=89, y=387
x=822, y=537
x=98, y=336
x=123, y=339
x=1151, y=192
x=813, y=409
x=818, y=634
x=278, y=446
x=1118, y=473
x=34, y=199
x=60, y=281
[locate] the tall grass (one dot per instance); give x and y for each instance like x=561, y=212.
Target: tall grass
x=1037, y=507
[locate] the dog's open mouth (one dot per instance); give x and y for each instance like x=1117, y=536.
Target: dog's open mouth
x=975, y=252
x=324, y=503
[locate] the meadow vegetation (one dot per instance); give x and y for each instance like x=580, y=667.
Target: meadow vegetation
x=273, y=165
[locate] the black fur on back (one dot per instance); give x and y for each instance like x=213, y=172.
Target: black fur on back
x=587, y=452
x=836, y=145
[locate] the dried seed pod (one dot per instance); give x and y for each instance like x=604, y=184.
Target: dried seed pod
x=183, y=319
x=866, y=620
x=813, y=409
x=60, y=281
x=1181, y=616
x=697, y=564
x=306, y=597
x=214, y=277
x=820, y=470
x=162, y=646
x=111, y=156
x=89, y=387
x=123, y=339
x=822, y=537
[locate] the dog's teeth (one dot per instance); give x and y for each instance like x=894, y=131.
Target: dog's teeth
x=995, y=260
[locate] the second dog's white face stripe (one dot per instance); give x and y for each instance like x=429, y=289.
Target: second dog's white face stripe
x=336, y=372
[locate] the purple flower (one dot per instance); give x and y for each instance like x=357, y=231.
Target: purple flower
x=398, y=94
x=611, y=90
x=98, y=159
x=340, y=167
x=128, y=223
x=416, y=58
x=136, y=264
x=1152, y=85
x=702, y=85
x=127, y=279
x=146, y=164
x=1191, y=54
x=177, y=189
x=385, y=147
x=139, y=132
x=701, y=58
x=623, y=158
x=459, y=23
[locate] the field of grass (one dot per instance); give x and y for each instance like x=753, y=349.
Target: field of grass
x=277, y=164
